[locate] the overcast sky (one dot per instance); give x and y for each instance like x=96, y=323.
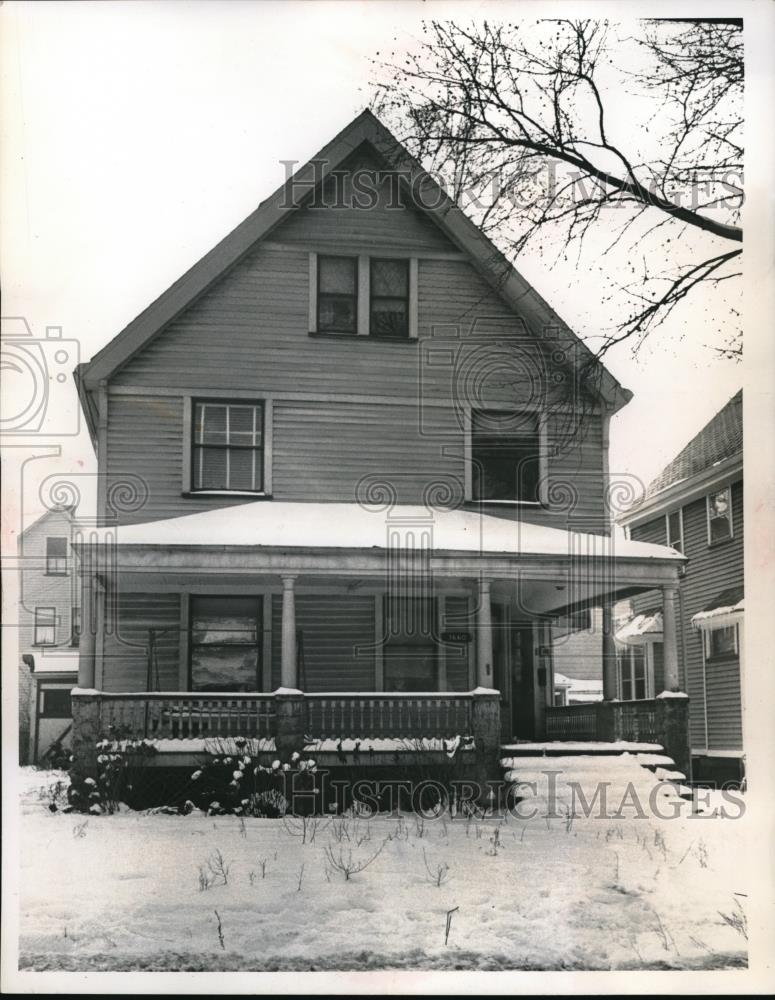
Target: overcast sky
x=136, y=135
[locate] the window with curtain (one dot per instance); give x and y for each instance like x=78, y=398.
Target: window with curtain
x=337, y=294
x=56, y=556
x=719, y=516
x=389, y=293
x=45, y=627
x=225, y=643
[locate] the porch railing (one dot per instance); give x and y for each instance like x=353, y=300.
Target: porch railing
x=634, y=721
x=397, y=716
x=186, y=716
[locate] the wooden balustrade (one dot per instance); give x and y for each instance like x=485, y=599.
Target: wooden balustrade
x=193, y=715
x=396, y=716
x=186, y=716
x=634, y=721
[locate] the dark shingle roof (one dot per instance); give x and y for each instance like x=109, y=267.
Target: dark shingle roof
x=726, y=599
x=719, y=439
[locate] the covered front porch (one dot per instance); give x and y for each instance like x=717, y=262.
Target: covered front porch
x=311, y=622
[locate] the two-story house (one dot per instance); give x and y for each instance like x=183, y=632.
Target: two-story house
x=351, y=467
x=48, y=631
x=695, y=505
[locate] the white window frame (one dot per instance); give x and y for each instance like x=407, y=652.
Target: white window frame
x=364, y=294
x=680, y=513
x=52, y=624
x=648, y=664
x=731, y=519
x=706, y=639
x=227, y=398
x=543, y=458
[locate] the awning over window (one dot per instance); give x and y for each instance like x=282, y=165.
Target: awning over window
x=646, y=627
x=725, y=609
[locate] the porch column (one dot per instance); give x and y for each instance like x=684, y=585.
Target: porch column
x=484, y=674
x=669, y=638
x=609, y=653
x=288, y=672
x=87, y=645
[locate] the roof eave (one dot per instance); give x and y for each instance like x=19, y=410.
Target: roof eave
x=684, y=491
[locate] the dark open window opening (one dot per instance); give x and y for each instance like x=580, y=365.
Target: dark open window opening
x=228, y=446
x=45, y=627
x=56, y=557
x=226, y=635
x=722, y=642
x=55, y=703
x=389, y=294
x=505, y=451
x=337, y=294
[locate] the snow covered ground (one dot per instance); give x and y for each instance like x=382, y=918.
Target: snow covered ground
x=127, y=891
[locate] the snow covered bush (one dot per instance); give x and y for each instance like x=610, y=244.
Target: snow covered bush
x=242, y=784
x=120, y=765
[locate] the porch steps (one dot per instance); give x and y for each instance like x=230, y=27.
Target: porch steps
x=644, y=765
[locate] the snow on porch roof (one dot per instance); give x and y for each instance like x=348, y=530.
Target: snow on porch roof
x=722, y=610
x=352, y=526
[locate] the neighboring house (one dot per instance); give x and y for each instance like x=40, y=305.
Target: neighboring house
x=696, y=505
x=49, y=630
x=577, y=657
x=350, y=430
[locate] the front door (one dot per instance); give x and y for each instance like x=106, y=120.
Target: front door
x=522, y=682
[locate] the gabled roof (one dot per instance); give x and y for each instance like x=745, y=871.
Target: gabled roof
x=718, y=440
x=365, y=128
x=68, y=511
x=713, y=456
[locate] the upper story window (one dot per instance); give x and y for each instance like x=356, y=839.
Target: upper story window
x=363, y=296
x=505, y=455
x=56, y=557
x=228, y=447
x=337, y=294
x=719, y=516
x=674, y=530
x=389, y=293
x=45, y=627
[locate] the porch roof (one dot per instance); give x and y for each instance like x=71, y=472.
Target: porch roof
x=278, y=525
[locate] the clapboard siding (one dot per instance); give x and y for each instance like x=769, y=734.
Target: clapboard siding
x=323, y=450
x=336, y=635
x=725, y=730
x=711, y=570
x=125, y=652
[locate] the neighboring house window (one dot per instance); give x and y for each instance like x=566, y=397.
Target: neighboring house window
x=674, y=524
x=505, y=453
x=228, y=446
x=56, y=557
x=75, y=626
x=337, y=294
x=719, y=516
x=55, y=703
x=721, y=642
x=633, y=673
x=45, y=626
x=225, y=638
x=389, y=292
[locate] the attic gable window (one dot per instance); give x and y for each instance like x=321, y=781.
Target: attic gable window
x=505, y=456
x=337, y=294
x=228, y=447
x=389, y=305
